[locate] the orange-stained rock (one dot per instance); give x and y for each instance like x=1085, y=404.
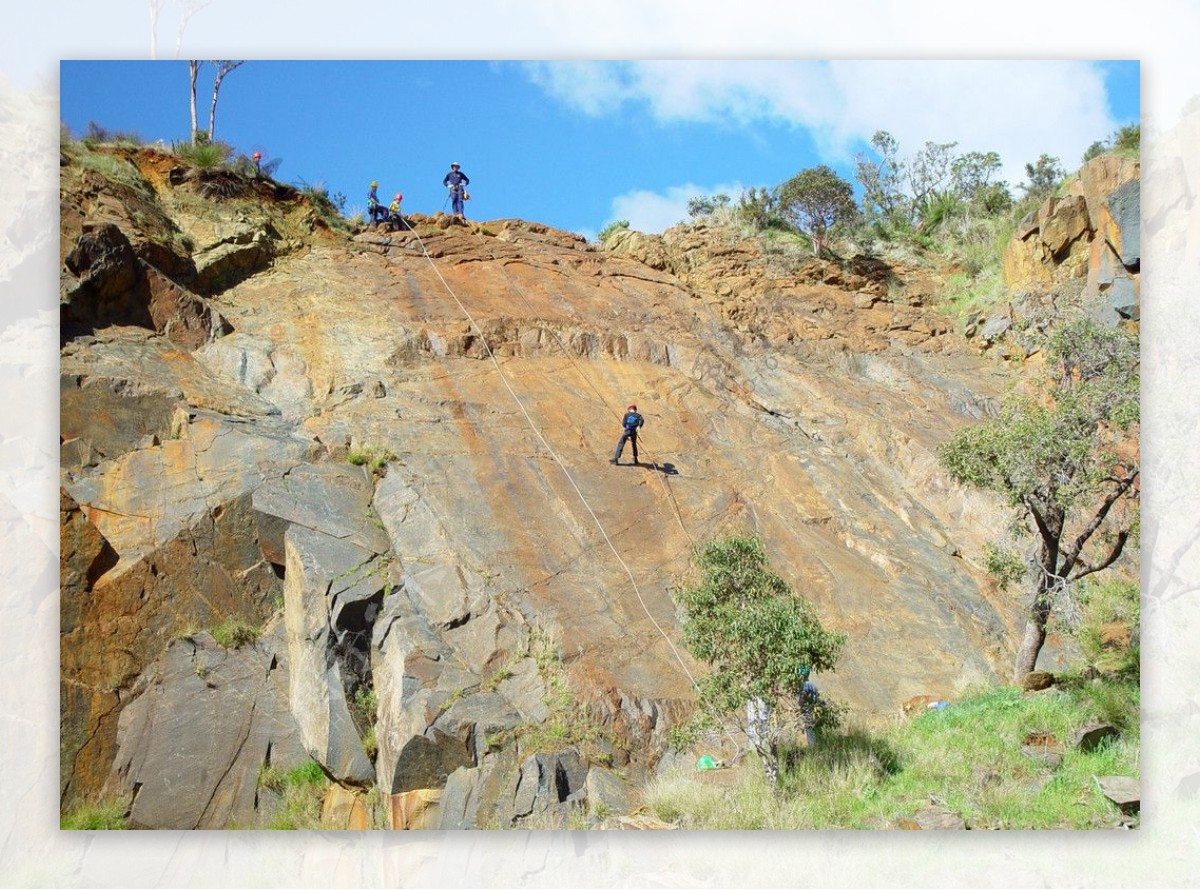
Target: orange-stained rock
x=414, y=810
x=345, y=809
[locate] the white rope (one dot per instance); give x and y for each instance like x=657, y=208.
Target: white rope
x=663, y=483
x=553, y=454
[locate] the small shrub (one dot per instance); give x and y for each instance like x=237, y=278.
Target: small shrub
x=203, y=155
x=235, y=632
x=373, y=456
x=1109, y=625
x=612, y=228
x=1004, y=566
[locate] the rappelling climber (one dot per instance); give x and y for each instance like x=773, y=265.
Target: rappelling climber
x=631, y=423
x=457, y=182
x=395, y=220
x=377, y=211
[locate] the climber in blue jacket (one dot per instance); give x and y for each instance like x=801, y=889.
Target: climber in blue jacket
x=630, y=423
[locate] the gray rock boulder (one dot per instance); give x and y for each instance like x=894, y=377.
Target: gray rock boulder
x=1124, y=791
x=204, y=722
x=1124, y=298
x=547, y=785
x=607, y=793
x=933, y=819
x=460, y=799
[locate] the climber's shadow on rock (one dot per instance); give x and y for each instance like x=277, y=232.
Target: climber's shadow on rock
x=665, y=469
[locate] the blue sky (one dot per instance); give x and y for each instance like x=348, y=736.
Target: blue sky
x=578, y=144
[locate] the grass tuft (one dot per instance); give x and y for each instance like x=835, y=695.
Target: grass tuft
x=106, y=815
x=235, y=632
x=373, y=456
x=303, y=792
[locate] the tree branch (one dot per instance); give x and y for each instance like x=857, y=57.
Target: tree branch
x=1072, y=555
x=1118, y=546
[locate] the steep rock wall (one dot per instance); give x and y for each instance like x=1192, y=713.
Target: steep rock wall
x=805, y=407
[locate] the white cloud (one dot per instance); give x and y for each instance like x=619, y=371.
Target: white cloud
x=649, y=211
x=1019, y=109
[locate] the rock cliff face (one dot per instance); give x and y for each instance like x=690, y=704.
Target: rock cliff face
x=1088, y=238
x=225, y=357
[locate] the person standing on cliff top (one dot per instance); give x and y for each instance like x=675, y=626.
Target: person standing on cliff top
x=457, y=181
x=631, y=423
x=395, y=219
x=377, y=211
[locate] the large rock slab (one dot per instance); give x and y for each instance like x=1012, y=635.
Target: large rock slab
x=106, y=283
x=106, y=420
x=117, y=617
x=147, y=496
x=141, y=362
x=234, y=256
x=1125, y=205
x=318, y=569
x=334, y=499
x=203, y=723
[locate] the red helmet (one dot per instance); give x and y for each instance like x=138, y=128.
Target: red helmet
x=399, y=197
x=257, y=155
x=632, y=408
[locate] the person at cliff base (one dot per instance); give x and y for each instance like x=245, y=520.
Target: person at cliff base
x=809, y=699
x=457, y=182
x=630, y=424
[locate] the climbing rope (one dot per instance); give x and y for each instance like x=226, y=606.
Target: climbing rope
x=659, y=473
x=554, y=454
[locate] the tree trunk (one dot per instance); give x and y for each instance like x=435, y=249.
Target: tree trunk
x=194, y=73
x=1034, y=637
x=770, y=762
x=1031, y=647
x=212, y=113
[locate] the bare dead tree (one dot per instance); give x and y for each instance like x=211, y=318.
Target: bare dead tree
x=193, y=74
x=224, y=68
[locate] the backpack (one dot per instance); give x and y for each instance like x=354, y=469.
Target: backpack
x=632, y=421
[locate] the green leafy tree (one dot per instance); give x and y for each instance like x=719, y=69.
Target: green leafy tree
x=930, y=175
x=1128, y=138
x=1044, y=175
x=1058, y=460
x=814, y=201
x=704, y=205
x=1094, y=150
x=879, y=177
x=755, y=634
x=758, y=207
